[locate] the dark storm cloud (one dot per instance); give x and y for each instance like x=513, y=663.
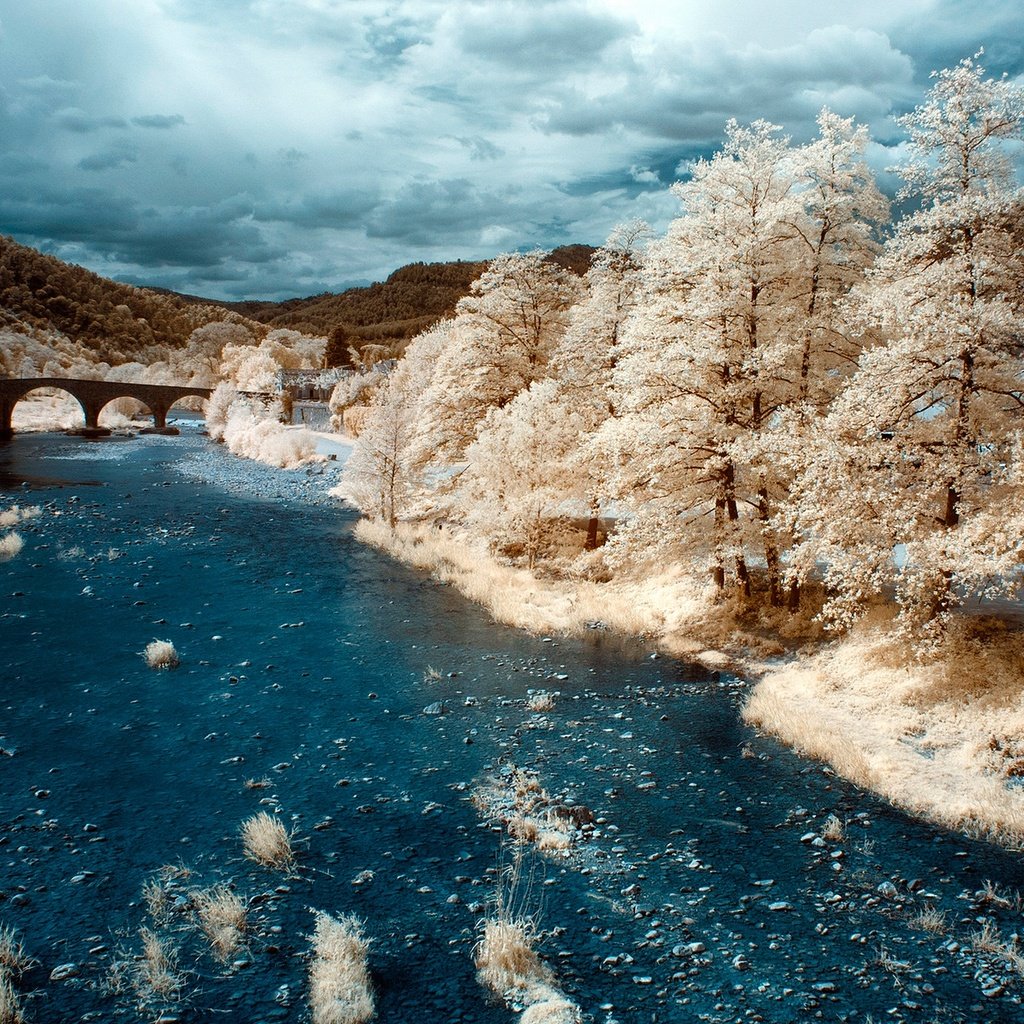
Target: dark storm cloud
x=108, y=159
x=424, y=211
x=479, y=148
x=959, y=28
x=691, y=96
x=342, y=208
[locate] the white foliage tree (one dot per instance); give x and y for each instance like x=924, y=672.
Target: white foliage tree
x=509, y=494
x=585, y=360
x=701, y=378
x=502, y=338
x=922, y=450
x=384, y=475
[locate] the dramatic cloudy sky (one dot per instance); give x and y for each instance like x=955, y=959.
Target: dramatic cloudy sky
x=268, y=148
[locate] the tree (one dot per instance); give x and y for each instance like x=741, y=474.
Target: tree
x=383, y=476
x=924, y=453
x=502, y=337
x=842, y=211
x=509, y=493
x=704, y=361
x=586, y=357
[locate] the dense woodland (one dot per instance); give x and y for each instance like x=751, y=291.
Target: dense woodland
x=785, y=385
x=39, y=294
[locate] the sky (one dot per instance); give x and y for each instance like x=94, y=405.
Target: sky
x=275, y=148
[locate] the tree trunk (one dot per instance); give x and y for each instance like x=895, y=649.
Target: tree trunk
x=590, y=544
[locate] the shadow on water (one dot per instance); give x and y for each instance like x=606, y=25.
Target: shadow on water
x=705, y=890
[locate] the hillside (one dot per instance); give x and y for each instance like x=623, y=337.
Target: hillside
x=117, y=322
x=387, y=314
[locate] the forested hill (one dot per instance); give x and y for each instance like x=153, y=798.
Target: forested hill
x=388, y=313
x=117, y=322
x=121, y=323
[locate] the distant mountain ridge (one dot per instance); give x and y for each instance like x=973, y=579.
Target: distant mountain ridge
x=123, y=322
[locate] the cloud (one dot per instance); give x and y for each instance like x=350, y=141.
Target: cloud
x=162, y=121
x=341, y=208
x=480, y=148
x=109, y=159
x=332, y=140
x=959, y=28
x=541, y=35
x=688, y=92
x=78, y=121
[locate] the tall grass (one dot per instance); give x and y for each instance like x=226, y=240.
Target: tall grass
x=10, y=1004
x=670, y=607
x=13, y=958
x=157, y=970
x=339, y=982
x=506, y=958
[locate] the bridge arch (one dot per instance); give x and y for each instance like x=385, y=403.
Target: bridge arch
x=69, y=419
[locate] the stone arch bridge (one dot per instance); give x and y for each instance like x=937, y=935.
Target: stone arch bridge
x=93, y=395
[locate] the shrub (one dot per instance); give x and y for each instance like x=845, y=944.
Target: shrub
x=10, y=1006
x=339, y=983
x=10, y=545
x=13, y=958
x=157, y=971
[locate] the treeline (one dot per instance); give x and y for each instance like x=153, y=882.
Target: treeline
x=783, y=390
x=118, y=323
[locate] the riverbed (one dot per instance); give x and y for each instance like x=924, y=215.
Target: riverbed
x=364, y=704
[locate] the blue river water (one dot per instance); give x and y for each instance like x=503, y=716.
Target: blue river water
x=704, y=891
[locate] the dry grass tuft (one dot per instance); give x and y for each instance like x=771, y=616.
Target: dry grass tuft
x=989, y=940
x=551, y=1007
x=161, y=654
x=10, y=1005
x=13, y=958
x=222, y=917
x=155, y=897
x=930, y=919
x=157, y=971
x=540, y=703
x=266, y=841
x=431, y=675
x=505, y=958
x=10, y=546
x=551, y=840
x=339, y=982
x=833, y=830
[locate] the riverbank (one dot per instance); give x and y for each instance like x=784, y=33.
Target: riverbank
x=940, y=740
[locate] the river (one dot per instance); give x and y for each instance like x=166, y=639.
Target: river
x=704, y=890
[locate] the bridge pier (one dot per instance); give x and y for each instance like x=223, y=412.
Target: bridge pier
x=6, y=410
